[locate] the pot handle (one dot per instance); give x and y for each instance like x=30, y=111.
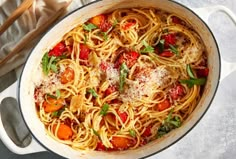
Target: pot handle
x=205, y=13
x=33, y=147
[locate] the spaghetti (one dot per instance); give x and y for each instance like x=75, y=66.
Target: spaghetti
x=121, y=80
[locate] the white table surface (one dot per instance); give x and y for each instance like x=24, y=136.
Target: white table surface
x=214, y=137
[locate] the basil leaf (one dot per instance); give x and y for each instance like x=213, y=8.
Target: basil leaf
x=148, y=48
x=191, y=82
x=89, y=27
x=160, y=45
x=92, y=91
x=95, y=133
x=105, y=36
x=51, y=96
x=58, y=113
x=53, y=67
x=115, y=22
x=123, y=74
x=104, y=110
x=132, y=133
x=169, y=115
x=85, y=39
x=58, y=94
x=190, y=72
x=174, y=49
x=51, y=60
x=45, y=61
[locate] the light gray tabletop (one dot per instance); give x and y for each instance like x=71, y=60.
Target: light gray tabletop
x=214, y=137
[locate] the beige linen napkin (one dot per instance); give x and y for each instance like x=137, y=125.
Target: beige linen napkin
x=33, y=18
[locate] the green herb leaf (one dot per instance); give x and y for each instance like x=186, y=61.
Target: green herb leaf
x=54, y=67
x=51, y=96
x=58, y=94
x=148, y=48
x=160, y=45
x=92, y=91
x=89, y=27
x=169, y=124
x=58, y=113
x=85, y=39
x=105, y=36
x=132, y=133
x=123, y=74
x=95, y=133
x=190, y=72
x=104, y=110
x=174, y=49
x=191, y=82
x=45, y=61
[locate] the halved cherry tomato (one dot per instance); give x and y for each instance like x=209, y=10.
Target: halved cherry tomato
x=166, y=54
x=52, y=105
x=177, y=91
x=203, y=72
x=121, y=143
x=105, y=26
x=100, y=146
x=110, y=90
x=163, y=105
x=67, y=76
x=58, y=50
x=84, y=52
x=123, y=116
x=98, y=20
x=64, y=131
x=129, y=58
x=128, y=25
x=170, y=39
x=147, y=132
x=103, y=66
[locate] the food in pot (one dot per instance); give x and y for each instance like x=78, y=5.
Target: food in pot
x=121, y=80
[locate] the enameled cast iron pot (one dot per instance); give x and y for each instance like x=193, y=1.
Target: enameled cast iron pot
x=30, y=74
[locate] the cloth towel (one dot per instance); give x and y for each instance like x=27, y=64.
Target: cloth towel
x=30, y=20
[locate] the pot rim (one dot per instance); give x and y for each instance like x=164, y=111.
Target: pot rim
x=158, y=151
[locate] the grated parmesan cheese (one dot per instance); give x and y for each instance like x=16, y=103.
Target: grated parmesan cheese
x=112, y=74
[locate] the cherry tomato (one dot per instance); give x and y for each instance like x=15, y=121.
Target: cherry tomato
x=177, y=91
x=52, y=105
x=166, y=54
x=58, y=50
x=129, y=58
x=170, y=39
x=103, y=66
x=203, y=72
x=123, y=116
x=67, y=76
x=128, y=25
x=100, y=146
x=147, y=132
x=110, y=90
x=105, y=26
x=121, y=143
x=64, y=131
x=163, y=105
x=84, y=52
x=98, y=20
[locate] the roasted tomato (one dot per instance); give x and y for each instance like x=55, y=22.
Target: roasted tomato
x=100, y=146
x=67, y=76
x=163, y=105
x=147, y=132
x=58, y=50
x=102, y=22
x=177, y=91
x=123, y=116
x=52, y=105
x=129, y=58
x=203, y=72
x=64, y=132
x=84, y=52
x=121, y=143
x=170, y=39
x=103, y=66
x=110, y=90
x=127, y=25
x=166, y=54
